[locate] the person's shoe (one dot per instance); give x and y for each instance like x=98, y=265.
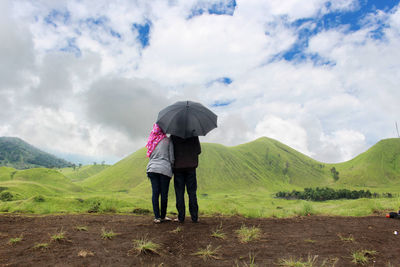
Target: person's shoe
x=157, y=220
x=177, y=220
x=166, y=219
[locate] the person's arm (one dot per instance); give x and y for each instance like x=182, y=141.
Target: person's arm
x=171, y=152
x=198, y=147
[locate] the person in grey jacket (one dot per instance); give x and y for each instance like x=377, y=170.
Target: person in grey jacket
x=159, y=170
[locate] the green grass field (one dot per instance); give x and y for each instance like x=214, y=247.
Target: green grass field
x=231, y=180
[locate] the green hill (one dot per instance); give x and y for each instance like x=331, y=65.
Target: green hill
x=81, y=173
x=232, y=180
x=378, y=166
x=37, y=181
x=18, y=154
x=262, y=163
x=123, y=175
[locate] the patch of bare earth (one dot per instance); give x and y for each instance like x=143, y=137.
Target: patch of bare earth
x=326, y=240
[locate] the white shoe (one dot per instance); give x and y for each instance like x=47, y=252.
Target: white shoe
x=166, y=219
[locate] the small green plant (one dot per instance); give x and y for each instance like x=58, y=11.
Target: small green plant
x=140, y=211
x=14, y=241
x=310, y=262
x=81, y=228
x=60, y=236
x=363, y=256
x=349, y=238
x=176, y=230
x=145, y=246
x=247, y=234
x=252, y=259
x=110, y=210
x=95, y=207
x=207, y=253
x=2, y=188
x=39, y=199
x=307, y=209
x=107, y=234
x=217, y=233
x=6, y=196
x=41, y=246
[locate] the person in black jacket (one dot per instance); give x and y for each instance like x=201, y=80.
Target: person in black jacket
x=186, y=161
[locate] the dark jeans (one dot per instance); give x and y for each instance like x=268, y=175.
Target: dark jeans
x=188, y=179
x=160, y=186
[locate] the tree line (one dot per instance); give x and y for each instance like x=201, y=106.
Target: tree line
x=326, y=193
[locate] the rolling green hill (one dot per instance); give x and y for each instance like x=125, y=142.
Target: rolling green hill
x=81, y=173
x=262, y=163
x=18, y=154
x=27, y=183
x=231, y=180
x=378, y=166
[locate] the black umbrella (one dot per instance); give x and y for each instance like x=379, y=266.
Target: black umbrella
x=186, y=119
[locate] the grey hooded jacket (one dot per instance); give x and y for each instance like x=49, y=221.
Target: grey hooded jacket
x=162, y=158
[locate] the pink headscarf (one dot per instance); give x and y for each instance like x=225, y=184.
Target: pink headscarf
x=156, y=135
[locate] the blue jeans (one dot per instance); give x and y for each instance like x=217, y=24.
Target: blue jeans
x=160, y=186
x=188, y=179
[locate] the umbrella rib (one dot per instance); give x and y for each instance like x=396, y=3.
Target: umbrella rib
x=198, y=119
x=206, y=113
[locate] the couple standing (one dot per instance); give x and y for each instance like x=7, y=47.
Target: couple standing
x=172, y=156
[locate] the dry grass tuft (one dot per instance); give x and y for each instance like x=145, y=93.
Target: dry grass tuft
x=247, y=234
x=207, y=253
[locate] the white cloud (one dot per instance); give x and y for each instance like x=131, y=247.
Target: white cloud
x=86, y=86
x=341, y=145
x=288, y=132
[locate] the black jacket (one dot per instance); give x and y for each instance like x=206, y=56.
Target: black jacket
x=186, y=153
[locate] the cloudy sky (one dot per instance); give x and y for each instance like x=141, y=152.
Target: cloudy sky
x=85, y=79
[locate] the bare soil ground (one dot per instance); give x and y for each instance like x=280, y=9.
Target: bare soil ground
x=327, y=240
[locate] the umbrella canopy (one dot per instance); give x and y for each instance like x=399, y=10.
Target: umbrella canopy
x=186, y=119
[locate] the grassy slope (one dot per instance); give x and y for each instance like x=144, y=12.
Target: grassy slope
x=232, y=180
x=83, y=172
x=260, y=163
x=379, y=166
x=31, y=182
x=123, y=175
x=6, y=173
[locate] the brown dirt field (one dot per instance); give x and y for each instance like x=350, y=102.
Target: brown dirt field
x=292, y=238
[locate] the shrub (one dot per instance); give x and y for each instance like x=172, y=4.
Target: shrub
x=95, y=207
x=6, y=196
x=140, y=211
x=39, y=199
x=2, y=188
x=326, y=193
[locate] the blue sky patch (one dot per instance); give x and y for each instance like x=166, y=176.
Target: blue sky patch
x=56, y=17
x=354, y=20
x=72, y=47
x=226, y=7
x=94, y=23
x=101, y=24
x=143, y=31
x=223, y=80
x=222, y=103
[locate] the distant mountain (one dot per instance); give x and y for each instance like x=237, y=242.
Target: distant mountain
x=16, y=153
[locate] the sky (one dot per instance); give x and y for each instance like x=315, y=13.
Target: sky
x=85, y=80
